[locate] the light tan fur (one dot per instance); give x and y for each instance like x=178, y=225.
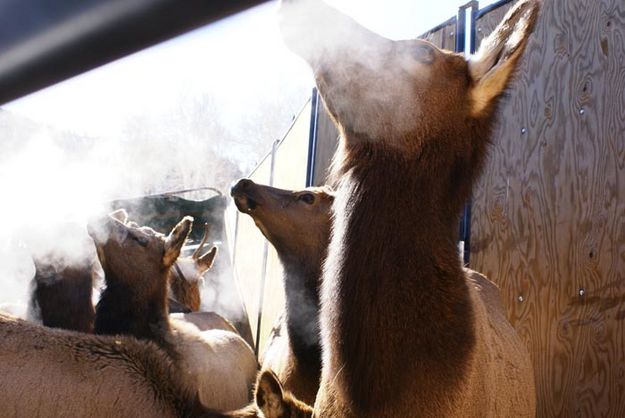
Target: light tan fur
x=501, y=363
x=219, y=363
x=204, y=321
x=47, y=372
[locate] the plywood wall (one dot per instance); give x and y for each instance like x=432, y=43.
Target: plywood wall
x=549, y=212
x=443, y=36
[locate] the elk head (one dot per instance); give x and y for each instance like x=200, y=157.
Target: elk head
x=294, y=221
x=137, y=257
x=274, y=402
x=408, y=96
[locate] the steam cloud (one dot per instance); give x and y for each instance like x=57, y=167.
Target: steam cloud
x=206, y=126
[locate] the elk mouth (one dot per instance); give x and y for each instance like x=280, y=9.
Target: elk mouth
x=245, y=196
x=245, y=203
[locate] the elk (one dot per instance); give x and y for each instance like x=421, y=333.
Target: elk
x=270, y=401
x=48, y=372
x=136, y=263
x=187, y=275
x=53, y=372
x=297, y=223
x=62, y=291
x=63, y=287
x=404, y=331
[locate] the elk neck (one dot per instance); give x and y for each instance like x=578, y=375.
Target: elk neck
x=396, y=314
x=302, y=274
x=125, y=309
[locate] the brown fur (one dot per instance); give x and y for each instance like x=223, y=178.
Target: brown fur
x=404, y=332
x=62, y=293
x=185, y=292
x=136, y=261
x=185, y=282
x=187, y=275
x=51, y=372
x=297, y=223
x=134, y=301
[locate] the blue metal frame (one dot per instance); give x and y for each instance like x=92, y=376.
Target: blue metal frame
x=312, y=137
x=461, y=30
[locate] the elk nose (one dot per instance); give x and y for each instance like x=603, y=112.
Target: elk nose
x=241, y=186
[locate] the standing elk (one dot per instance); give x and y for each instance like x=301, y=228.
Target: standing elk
x=404, y=332
x=297, y=223
x=136, y=263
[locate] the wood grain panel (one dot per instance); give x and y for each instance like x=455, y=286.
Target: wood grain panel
x=549, y=212
x=443, y=37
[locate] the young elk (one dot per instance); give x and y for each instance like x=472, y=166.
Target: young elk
x=184, y=301
x=270, y=401
x=52, y=372
x=404, y=332
x=297, y=223
x=62, y=291
x=136, y=263
x=187, y=276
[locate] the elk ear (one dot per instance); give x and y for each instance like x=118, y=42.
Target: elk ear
x=120, y=214
x=493, y=65
x=39, y=266
x=175, y=241
x=269, y=395
x=205, y=262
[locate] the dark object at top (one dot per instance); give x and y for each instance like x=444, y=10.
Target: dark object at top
x=162, y=213
x=43, y=42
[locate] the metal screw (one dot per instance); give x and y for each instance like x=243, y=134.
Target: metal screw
x=479, y=30
x=582, y=292
x=582, y=111
x=451, y=34
x=523, y=131
x=520, y=298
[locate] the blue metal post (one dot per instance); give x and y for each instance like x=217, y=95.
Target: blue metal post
x=461, y=31
x=312, y=137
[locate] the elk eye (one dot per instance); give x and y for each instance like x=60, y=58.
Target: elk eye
x=143, y=241
x=423, y=53
x=307, y=198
